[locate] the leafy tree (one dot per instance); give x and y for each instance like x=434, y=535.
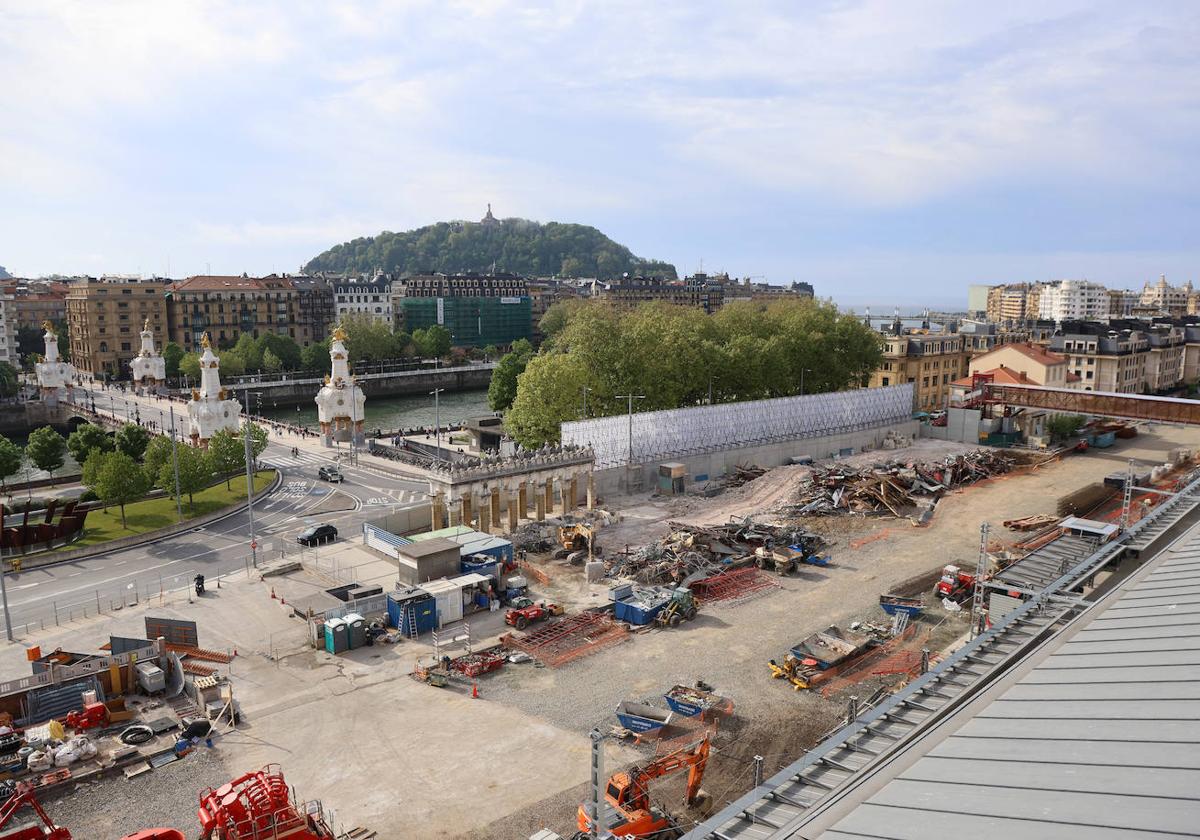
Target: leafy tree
x=29, y=345
x=232, y=363
x=46, y=449
x=315, y=357
x=556, y=317
x=189, y=366
x=401, y=344
x=491, y=351
x=271, y=362
x=433, y=342
x=10, y=382
x=285, y=349
x=367, y=340
x=195, y=472
x=1063, y=426
x=10, y=460
x=227, y=454
x=117, y=479
x=88, y=438
x=547, y=392
x=516, y=245
x=158, y=452
x=132, y=439
x=172, y=354
x=258, y=440
x=249, y=350
x=502, y=390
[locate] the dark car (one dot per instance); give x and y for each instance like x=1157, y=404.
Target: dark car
x=317, y=535
x=330, y=474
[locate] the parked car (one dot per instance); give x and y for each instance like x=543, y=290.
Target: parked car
x=330, y=473
x=317, y=535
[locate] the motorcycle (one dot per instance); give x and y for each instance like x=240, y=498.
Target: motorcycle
x=199, y=584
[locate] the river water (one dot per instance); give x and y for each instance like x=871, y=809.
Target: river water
x=390, y=413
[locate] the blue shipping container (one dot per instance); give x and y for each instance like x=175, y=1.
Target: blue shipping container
x=411, y=615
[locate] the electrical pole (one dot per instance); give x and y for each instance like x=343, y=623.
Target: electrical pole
x=631, y=398
x=585, y=393
x=175, y=467
x=598, y=783
x=4, y=597
x=981, y=567
x=437, y=420
x=249, y=479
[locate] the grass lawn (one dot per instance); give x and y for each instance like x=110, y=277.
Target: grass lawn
x=105, y=525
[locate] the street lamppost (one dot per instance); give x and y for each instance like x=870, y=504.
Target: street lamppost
x=631, y=398
x=585, y=393
x=437, y=421
x=249, y=477
x=175, y=467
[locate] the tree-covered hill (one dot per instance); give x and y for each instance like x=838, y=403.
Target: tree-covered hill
x=514, y=245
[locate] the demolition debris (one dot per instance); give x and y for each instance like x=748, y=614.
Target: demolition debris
x=896, y=488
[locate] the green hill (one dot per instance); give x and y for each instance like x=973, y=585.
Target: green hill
x=515, y=245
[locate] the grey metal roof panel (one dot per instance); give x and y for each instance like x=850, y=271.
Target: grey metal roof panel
x=1114, y=780
x=1119, y=643
x=1130, y=674
x=1106, y=752
x=883, y=823
x=1104, y=691
x=1135, y=731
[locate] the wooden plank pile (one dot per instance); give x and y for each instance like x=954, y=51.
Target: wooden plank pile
x=1031, y=523
x=895, y=488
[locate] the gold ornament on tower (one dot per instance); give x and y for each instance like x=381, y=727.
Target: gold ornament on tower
x=204, y=341
x=339, y=334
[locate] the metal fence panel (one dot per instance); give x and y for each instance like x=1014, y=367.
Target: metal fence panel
x=682, y=431
x=175, y=631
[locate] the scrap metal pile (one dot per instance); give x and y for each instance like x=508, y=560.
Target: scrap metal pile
x=694, y=552
x=897, y=488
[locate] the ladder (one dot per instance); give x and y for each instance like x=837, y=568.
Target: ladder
x=410, y=618
x=899, y=623
x=981, y=568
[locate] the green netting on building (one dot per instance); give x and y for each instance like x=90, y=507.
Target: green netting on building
x=472, y=321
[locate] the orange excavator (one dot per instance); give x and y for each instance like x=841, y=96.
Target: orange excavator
x=631, y=813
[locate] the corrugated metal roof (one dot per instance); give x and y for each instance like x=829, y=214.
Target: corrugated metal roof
x=1101, y=739
x=1046, y=564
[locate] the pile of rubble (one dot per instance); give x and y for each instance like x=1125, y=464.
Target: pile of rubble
x=693, y=552
x=897, y=488
x=543, y=537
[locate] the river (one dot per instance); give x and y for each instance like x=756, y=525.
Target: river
x=390, y=413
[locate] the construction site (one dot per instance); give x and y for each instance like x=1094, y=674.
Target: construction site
x=631, y=664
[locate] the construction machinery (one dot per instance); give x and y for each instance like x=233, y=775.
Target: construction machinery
x=956, y=584
x=525, y=612
x=681, y=607
x=795, y=670
x=23, y=798
x=575, y=539
x=627, y=795
x=257, y=806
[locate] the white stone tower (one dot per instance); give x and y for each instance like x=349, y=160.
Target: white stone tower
x=53, y=374
x=209, y=411
x=149, y=368
x=341, y=402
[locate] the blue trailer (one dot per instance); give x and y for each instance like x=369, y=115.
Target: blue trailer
x=896, y=604
x=640, y=606
x=642, y=717
x=695, y=702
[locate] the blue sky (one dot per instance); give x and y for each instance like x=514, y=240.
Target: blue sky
x=883, y=151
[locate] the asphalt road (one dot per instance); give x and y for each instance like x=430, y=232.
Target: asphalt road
x=37, y=594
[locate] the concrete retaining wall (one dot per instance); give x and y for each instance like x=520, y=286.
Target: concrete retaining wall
x=710, y=465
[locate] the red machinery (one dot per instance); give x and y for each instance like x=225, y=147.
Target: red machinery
x=956, y=584
x=46, y=831
x=628, y=794
x=94, y=715
x=258, y=806
x=526, y=612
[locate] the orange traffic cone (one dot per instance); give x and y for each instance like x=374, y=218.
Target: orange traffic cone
x=283, y=600
x=273, y=593
x=475, y=690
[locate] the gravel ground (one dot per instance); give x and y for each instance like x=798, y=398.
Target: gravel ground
x=163, y=798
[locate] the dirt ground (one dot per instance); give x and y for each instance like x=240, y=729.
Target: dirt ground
x=443, y=764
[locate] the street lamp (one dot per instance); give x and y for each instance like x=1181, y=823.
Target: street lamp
x=585, y=393
x=437, y=421
x=631, y=398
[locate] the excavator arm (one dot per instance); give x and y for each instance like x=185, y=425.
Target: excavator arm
x=694, y=757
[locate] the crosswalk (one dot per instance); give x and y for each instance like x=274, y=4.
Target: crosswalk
x=308, y=463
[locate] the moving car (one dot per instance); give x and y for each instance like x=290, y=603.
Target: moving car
x=330, y=473
x=317, y=535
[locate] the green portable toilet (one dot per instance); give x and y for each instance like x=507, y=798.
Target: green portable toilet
x=336, y=636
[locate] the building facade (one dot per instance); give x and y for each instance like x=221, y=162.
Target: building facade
x=8, y=332
x=1106, y=359
x=104, y=322
x=746, y=289
x=227, y=307
x=1164, y=299
x=1069, y=300
x=700, y=290
x=478, y=309
x=372, y=298
x=544, y=292
x=931, y=362
x=979, y=337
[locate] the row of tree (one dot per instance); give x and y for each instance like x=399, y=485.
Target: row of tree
x=675, y=356
x=124, y=467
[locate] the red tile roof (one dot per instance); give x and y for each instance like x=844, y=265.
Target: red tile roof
x=1032, y=351
x=1001, y=376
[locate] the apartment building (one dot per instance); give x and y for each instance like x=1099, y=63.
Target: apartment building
x=1069, y=300
x=1014, y=302
x=8, y=332
x=1104, y=358
x=363, y=297
x=746, y=289
x=979, y=337
x=1121, y=303
x=104, y=322
x=700, y=290
x=478, y=309
x=226, y=307
x=544, y=292
x=1164, y=299
x=930, y=361
x=1020, y=364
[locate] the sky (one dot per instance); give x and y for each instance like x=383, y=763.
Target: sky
x=885, y=152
